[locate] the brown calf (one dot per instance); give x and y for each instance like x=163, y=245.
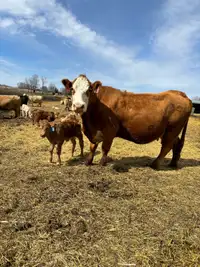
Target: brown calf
x=141, y=118
x=58, y=132
x=42, y=115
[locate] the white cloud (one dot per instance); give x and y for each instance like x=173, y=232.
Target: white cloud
x=179, y=34
x=173, y=44
x=7, y=22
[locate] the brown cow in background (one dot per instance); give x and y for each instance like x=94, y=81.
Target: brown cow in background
x=40, y=114
x=142, y=118
x=10, y=102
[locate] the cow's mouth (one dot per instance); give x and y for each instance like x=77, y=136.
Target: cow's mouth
x=79, y=111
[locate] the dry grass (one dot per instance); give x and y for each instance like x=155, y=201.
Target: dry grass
x=75, y=216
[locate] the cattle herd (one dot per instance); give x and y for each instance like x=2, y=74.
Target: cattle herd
x=103, y=113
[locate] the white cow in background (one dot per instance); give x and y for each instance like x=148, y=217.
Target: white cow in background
x=35, y=99
x=26, y=111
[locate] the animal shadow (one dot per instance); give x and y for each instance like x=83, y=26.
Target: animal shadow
x=126, y=163
x=78, y=160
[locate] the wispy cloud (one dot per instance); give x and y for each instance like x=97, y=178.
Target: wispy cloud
x=173, y=62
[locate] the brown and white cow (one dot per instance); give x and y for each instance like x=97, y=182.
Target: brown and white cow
x=142, y=118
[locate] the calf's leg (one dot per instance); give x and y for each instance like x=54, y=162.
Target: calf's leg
x=81, y=143
x=73, y=145
x=59, y=148
x=51, y=152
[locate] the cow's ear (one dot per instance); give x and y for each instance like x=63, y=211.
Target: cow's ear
x=95, y=86
x=67, y=83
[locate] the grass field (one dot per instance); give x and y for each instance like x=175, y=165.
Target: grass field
x=124, y=214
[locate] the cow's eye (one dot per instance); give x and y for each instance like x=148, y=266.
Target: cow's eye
x=73, y=91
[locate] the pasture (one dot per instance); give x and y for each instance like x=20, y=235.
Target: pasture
x=124, y=214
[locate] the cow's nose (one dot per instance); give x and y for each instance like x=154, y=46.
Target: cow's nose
x=79, y=105
x=78, y=108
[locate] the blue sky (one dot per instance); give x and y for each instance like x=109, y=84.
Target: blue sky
x=140, y=45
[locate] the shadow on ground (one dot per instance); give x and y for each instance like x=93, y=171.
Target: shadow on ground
x=126, y=163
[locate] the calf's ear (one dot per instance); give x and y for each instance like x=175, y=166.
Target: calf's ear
x=67, y=83
x=95, y=86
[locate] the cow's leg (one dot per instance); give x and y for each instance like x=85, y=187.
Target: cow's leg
x=166, y=147
x=73, y=140
x=17, y=112
x=51, y=152
x=168, y=140
x=177, y=147
x=106, y=145
x=59, y=148
x=90, y=157
x=81, y=143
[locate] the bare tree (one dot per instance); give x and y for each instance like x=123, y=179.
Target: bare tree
x=30, y=83
x=52, y=87
x=34, y=81
x=43, y=81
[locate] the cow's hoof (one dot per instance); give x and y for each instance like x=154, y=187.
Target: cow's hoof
x=103, y=162
x=58, y=163
x=155, y=165
x=173, y=165
x=88, y=162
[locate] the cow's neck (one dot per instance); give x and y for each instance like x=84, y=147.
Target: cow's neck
x=90, y=119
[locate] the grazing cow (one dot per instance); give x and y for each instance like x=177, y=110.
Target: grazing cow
x=141, y=118
x=37, y=99
x=10, y=102
x=24, y=99
x=38, y=115
x=58, y=132
x=26, y=111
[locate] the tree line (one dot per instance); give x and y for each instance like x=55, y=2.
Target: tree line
x=35, y=83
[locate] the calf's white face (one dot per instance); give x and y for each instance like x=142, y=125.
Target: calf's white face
x=80, y=97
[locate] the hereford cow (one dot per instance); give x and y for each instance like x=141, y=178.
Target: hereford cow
x=142, y=118
x=58, y=132
x=37, y=99
x=10, y=102
x=38, y=115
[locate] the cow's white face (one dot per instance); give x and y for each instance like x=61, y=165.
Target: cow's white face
x=80, y=96
x=81, y=89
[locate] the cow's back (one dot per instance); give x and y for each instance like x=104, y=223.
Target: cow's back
x=9, y=102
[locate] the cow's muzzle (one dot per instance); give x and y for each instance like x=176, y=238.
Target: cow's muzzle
x=79, y=108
